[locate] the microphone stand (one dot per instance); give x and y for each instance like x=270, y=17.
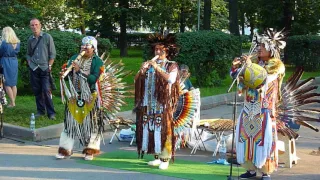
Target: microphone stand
x=234, y=117
x=244, y=64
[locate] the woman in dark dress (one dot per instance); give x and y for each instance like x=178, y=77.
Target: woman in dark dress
x=9, y=49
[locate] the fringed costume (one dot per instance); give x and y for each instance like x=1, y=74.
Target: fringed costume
x=256, y=131
x=270, y=109
x=156, y=97
x=93, y=94
x=83, y=119
x=256, y=134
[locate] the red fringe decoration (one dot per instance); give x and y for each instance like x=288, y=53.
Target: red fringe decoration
x=90, y=151
x=64, y=152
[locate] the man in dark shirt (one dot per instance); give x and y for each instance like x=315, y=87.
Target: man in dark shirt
x=40, y=56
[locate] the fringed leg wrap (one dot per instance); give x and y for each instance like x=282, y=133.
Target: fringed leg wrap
x=90, y=151
x=64, y=152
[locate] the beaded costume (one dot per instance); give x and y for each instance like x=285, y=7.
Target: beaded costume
x=155, y=102
x=93, y=94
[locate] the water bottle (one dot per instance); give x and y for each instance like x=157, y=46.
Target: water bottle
x=32, y=122
x=223, y=149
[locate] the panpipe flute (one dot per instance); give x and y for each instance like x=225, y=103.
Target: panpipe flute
x=70, y=67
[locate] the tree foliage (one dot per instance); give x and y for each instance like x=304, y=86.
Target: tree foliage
x=13, y=13
x=52, y=16
x=297, y=16
x=219, y=14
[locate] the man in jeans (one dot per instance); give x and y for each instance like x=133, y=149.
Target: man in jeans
x=41, y=53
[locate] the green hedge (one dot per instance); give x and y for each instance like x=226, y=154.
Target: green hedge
x=66, y=43
x=207, y=53
x=304, y=51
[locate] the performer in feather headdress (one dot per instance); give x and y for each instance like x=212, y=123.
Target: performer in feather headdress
x=256, y=133
x=94, y=92
x=156, y=95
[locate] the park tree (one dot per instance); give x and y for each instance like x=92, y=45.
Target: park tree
x=161, y=14
x=248, y=14
x=110, y=15
x=77, y=15
x=207, y=15
x=13, y=13
x=51, y=16
x=219, y=14
x=296, y=16
x=124, y=8
x=233, y=17
x=306, y=17
x=187, y=15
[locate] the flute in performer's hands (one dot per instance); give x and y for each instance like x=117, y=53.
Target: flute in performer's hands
x=74, y=64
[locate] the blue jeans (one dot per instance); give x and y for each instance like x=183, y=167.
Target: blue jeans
x=41, y=89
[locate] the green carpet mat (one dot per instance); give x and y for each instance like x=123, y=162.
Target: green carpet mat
x=126, y=160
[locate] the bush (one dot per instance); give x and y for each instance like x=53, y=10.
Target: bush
x=66, y=43
x=304, y=51
x=245, y=38
x=208, y=54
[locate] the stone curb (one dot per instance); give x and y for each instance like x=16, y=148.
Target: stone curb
x=54, y=131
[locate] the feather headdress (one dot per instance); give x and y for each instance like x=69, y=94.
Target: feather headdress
x=273, y=41
x=168, y=41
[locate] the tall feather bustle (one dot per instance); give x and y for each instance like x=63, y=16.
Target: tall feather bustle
x=298, y=105
x=111, y=88
x=168, y=41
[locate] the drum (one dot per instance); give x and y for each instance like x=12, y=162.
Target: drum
x=254, y=76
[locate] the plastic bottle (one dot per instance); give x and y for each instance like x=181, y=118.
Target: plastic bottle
x=223, y=149
x=32, y=122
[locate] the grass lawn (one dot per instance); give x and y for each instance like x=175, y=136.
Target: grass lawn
x=25, y=105
x=126, y=160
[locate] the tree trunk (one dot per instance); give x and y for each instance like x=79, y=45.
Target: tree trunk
x=82, y=26
x=233, y=17
x=287, y=20
x=252, y=26
x=182, y=19
x=207, y=15
x=242, y=19
x=288, y=14
x=124, y=5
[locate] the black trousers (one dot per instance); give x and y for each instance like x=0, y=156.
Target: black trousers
x=41, y=89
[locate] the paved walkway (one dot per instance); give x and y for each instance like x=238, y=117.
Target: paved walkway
x=35, y=161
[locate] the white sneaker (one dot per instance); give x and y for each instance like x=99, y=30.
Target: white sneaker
x=60, y=156
x=164, y=165
x=88, y=157
x=155, y=162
